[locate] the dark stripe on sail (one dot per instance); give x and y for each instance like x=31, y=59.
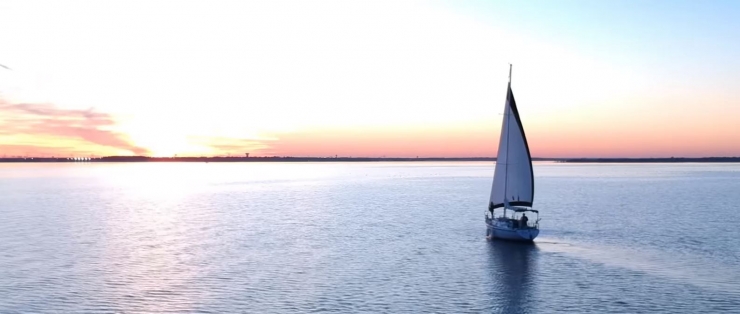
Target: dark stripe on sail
x=512, y=104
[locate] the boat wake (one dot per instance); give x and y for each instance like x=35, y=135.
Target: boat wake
x=689, y=269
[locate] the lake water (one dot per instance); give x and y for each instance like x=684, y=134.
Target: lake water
x=364, y=237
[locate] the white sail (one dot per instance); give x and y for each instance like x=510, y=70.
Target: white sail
x=513, y=180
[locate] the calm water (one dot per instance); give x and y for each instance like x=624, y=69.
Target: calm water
x=364, y=237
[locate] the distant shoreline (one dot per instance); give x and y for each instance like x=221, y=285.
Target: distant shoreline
x=651, y=160
x=356, y=159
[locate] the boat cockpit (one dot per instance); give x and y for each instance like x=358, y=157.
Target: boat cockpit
x=516, y=220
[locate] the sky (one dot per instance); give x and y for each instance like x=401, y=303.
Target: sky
x=368, y=78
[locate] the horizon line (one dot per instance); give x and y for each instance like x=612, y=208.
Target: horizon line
x=139, y=158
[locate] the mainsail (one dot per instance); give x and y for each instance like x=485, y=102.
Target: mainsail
x=513, y=180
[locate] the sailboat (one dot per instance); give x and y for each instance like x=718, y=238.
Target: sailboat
x=513, y=181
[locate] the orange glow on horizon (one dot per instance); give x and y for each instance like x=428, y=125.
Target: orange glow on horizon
x=44, y=131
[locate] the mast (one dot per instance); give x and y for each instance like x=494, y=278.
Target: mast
x=509, y=74
x=506, y=165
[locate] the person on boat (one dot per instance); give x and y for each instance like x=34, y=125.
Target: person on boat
x=524, y=219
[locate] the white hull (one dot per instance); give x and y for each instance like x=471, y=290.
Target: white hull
x=515, y=234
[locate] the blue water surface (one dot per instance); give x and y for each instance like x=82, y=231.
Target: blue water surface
x=378, y=237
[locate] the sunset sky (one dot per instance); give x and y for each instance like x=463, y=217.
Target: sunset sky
x=368, y=78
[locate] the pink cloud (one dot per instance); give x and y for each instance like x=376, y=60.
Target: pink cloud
x=47, y=120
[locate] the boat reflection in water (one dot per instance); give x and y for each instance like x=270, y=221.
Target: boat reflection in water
x=513, y=271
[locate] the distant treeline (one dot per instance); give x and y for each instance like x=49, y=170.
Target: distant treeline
x=351, y=159
x=663, y=160
x=233, y=159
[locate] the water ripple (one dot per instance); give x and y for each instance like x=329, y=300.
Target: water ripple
x=362, y=238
